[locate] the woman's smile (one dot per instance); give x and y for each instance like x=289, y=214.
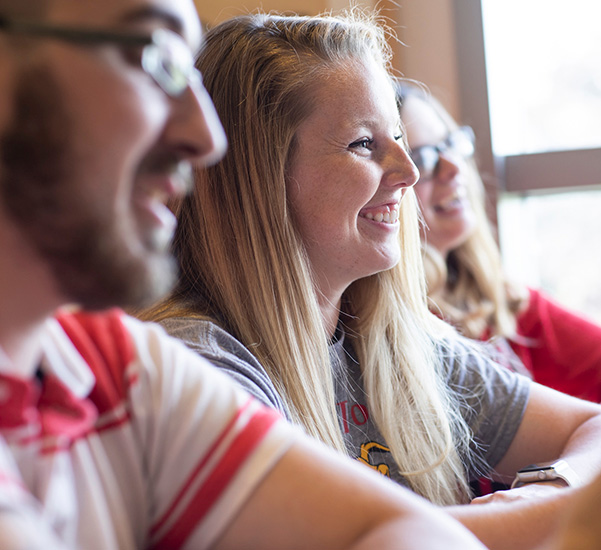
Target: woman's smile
x=348, y=175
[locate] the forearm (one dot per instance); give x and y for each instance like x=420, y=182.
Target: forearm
x=523, y=523
x=423, y=531
x=553, y=426
x=581, y=529
x=582, y=451
x=316, y=498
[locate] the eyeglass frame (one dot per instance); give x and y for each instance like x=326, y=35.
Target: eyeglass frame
x=151, y=62
x=444, y=146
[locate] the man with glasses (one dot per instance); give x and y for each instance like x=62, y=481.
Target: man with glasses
x=112, y=435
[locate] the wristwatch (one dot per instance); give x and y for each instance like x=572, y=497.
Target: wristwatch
x=547, y=471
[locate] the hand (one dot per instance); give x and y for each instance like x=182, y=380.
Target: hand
x=523, y=493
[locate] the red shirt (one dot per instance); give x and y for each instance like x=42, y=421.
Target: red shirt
x=563, y=350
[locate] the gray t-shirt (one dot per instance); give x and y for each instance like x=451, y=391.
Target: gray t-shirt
x=492, y=398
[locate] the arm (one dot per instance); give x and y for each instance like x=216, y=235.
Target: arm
x=314, y=498
x=581, y=528
x=554, y=425
x=257, y=482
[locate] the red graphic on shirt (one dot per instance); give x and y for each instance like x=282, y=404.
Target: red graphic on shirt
x=357, y=414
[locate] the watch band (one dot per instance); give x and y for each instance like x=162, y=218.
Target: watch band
x=548, y=471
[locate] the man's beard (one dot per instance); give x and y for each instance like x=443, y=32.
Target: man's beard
x=84, y=248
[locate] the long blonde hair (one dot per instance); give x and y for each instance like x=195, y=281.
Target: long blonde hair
x=244, y=266
x=469, y=288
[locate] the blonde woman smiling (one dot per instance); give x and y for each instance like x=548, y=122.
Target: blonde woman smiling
x=466, y=282
x=301, y=276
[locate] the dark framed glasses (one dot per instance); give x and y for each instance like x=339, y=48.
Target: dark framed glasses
x=459, y=142
x=165, y=55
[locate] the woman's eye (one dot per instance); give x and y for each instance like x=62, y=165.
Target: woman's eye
x=364, y=143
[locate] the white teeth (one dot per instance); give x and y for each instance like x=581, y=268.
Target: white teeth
x=454, y=200
x=451, y=202
x=390, y=216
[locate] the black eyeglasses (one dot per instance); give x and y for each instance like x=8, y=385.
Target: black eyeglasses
x=459, y=142
x=165, y=55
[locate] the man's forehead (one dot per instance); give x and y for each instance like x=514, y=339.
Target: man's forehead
x=178, y=15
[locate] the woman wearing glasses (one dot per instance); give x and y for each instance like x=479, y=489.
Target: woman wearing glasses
x=301, y=277
x=466, y=282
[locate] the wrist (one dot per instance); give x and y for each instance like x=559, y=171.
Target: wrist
x=558, y=471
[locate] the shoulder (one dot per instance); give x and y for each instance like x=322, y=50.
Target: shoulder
x=99, y=337
x=469, y=364
x=491, y=398
x=115, y=345
x=544, y=314
x=229, y=355
x=107, y=349
x=161, y=394
x=205, y=337
x=542, y=306
x=211, y=341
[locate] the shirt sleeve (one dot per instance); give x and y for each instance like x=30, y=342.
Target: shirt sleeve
x=492, y=400
x=207, y=443
x=229, y=355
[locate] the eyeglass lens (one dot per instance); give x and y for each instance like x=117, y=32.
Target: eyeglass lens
x=165, y=55
x=169, y=61
x=459, y=142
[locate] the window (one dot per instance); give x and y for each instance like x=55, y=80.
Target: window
x=553, y=241
x=544, y=74
x=530, y=79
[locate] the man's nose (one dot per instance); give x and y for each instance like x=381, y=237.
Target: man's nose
x=195, y=129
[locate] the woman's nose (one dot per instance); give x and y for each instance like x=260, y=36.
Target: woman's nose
x=402, y=172
x=448, y=166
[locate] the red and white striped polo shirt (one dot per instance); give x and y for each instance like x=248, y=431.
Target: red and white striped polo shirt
x=126, y=439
